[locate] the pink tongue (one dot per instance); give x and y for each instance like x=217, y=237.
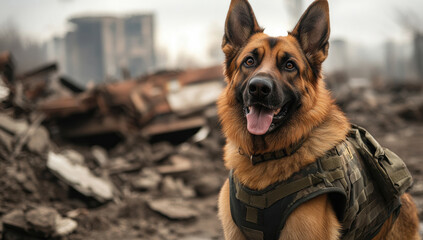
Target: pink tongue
x=259, y=120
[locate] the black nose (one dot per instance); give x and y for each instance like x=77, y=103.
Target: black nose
x=260, y=87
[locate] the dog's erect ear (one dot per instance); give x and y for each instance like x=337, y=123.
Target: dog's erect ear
x=312, y=32
x=240, y=25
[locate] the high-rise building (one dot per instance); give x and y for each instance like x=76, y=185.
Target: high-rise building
x=418, y=53
x=101, y=47
x=338, y=56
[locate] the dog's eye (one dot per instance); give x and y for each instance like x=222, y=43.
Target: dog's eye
x=249, y=62
x=290, y=66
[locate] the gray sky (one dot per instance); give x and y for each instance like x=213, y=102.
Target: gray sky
x=190, y=26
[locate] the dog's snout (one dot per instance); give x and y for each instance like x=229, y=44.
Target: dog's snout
x=260, y=87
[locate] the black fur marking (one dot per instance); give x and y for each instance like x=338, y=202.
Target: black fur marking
x=272, y=42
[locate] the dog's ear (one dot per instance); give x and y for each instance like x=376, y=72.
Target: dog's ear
x=312, y=32
x=240, y=25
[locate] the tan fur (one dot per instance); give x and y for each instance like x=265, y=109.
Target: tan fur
x=318, y=120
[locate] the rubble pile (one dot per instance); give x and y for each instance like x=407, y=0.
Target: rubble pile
x=137, y=158
x=392, y=106
x=142, y=158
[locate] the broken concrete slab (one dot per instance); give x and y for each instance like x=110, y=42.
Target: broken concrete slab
x=80, y=178
x=100, y=155
x=147, y=181
x=4, y=90
x=42, y=219
x=65, y=226
x=38, y=223
x=174, y=126
x=12, y=126
x=179, y=164
x=207, y=185
x=39, y=141
x=121, y=165
x=174, y=209
x=194, y=97
x=176, y=188
x=74, y=156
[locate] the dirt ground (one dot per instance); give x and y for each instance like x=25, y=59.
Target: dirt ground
x=394, y=115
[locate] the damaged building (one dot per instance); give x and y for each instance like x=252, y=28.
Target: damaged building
x=105, y=47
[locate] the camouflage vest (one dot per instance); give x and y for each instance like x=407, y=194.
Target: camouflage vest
x=363, y=181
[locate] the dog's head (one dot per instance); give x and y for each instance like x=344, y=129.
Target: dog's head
x=272, y=81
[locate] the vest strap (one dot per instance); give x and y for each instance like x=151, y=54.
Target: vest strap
x=267, y=199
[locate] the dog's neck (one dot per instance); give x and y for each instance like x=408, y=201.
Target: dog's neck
x=319, y=138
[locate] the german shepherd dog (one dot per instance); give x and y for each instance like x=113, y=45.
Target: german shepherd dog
x=275, y=96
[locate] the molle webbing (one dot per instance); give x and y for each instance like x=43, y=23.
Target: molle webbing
x=341, y=173
x=262, y=214
x=267, y=199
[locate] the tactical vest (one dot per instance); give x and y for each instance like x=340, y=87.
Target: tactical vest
x=363, y=181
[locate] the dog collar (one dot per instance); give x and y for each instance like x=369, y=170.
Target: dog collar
x=269, y=156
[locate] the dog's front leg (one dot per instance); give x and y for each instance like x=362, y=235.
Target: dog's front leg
x=230, y=230
x=314, y=219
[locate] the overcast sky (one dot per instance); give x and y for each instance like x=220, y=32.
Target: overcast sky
x=192, y=25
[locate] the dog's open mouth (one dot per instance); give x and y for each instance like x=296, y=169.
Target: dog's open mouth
x=261, y=119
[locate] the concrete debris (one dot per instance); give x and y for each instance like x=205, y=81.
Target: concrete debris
x=195, y=97
x=148, y=180
x=100, y=155
x=79, y=177
x=178, y=164
x=174, y=209
x=38, y=223
x=161, y=151
x=42, y=219
x=12, y=126
x=17, y=133
x=124, y=106
x=176, y=188
x=73, y=156
x=65, y=226
x=39, y=141
x=121, y=165
x=207, y=185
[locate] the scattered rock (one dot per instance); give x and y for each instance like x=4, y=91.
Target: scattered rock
x=74, y=156
x=100, y=155
x=121, y=165
x=65, y=226
x=161, y=151
x=42, y=219
x=148, y=180
x=179, y=164
x=12, y=126
x=174, y=209
x=39, y=141
x=208, y=185
x=37, y=223
x=176, y=188
x=80, y=177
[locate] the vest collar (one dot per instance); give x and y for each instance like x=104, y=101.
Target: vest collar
x=278, y=154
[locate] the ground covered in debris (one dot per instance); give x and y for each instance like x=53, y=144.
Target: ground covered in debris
x=54, y=184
